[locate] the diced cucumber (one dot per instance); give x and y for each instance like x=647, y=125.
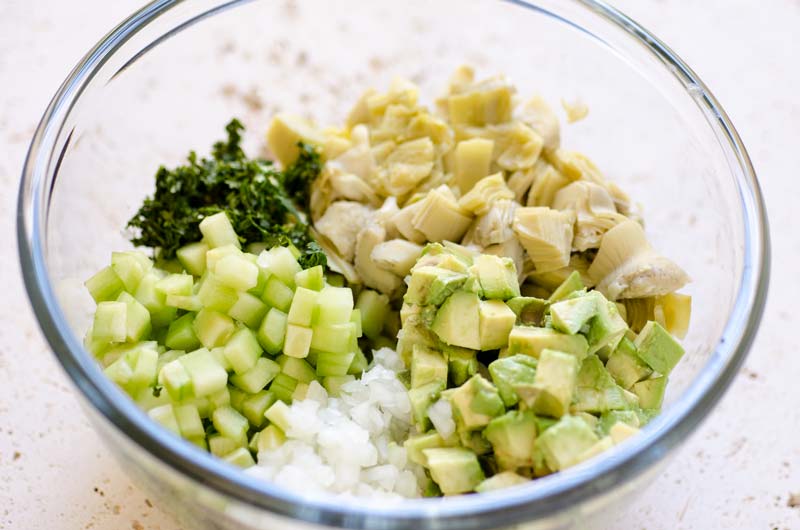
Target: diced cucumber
x=297, y=342
x=193, y=257
x=110, y=322
x=214, y=256
x=119, y=371
x=333, y=338
x=258, y=377
x=355, y=319
x=94, y=345
x=199, y=441
x=215, y=295
x=213, y=328
x=282, y=263
x=175, y=378
x=296, y=368
x=179, y=284
x=222, y=446
x=181, y=335
x=240, y=457
x=130, y=267
x=105, y=285
x=189, y=421
x=218, y=354
x=249, y=310
x=304, y=305
x=237, y=397
x=254, y=406
x=358, y=364
x=279, y=415
x=335, y=305
x=206, y=374
x=242, y=350
x=374, y=309
x=272, y=331
x=334, y=364
x=145, y=369
x=277, y=294
x=270, y=438
x=168, y=356
x=230, y=424
x=217, y=231
x=154, y=300
x=221, y=398
x=147, y=400
x=187, y=303
x=263, y=276
x=313, y=278
x=165, y=415
x=137, y=318
x=300, y=391
x=333, y=384
x=283, y=387
x=237, y=272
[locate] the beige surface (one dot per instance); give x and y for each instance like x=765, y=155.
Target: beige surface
x=736, y=472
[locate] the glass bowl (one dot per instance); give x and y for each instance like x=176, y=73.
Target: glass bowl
x=167, y=79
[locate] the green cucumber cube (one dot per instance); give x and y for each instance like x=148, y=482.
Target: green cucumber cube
x=187, y=303
x=154, y=301
x=220, y=398
x=355, y=319
x=137, y=318
x=130, y=267
x=215, y=295
x=221, y=446
x=358, y=364
x=205, y=372
x=119, y=371
x=213, y=328
x=279, y=415
x=236, y=272
x=105, y=285
x=258, y=377
x=280, y=262
x=334, y=383
x=297, y=341
x=237, y=397
x=181, y=335
x=334, y=364
x=145, y=369
x=110, y=322
x=175, y=378
x=277, y=294
x=296, y=368
x=335, y=305
x=374, y=308
x=272, y=332
x=217, y=231
x=193, y=257
x=242, y=350
x=270, y=438
x=313, y=278
x=283, y=387
x=249, y=310
x=304, y=304
x=254, y=406
x=165, y=415
x=240, y=457
x=189, y=421
x=333, y=338
x=178, y=284
x=230, y=424
x=218, y=354
x=214, y=256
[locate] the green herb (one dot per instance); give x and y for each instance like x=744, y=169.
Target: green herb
x=261, y=202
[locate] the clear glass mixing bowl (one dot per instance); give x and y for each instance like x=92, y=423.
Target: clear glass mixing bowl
x=167, y=79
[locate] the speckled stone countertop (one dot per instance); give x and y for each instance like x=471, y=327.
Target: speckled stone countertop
x=740, y=470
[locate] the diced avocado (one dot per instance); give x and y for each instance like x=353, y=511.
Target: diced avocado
x=427, y=366
x=462, y=363
x=590, y=419
x=608, y=327
x=496, y=322
x=431, y=285
x=511, y=374
x=651, y=392
x=610, y=418
x=421, y=398
x=374, y=308
x=603, y=444
x=658, y=348
x=540, y=468
x=531, y=341
x=563, y=443
x=620, y=432
x=625, y=366
x=475, y=403
x=596, y=390
x=458, y=321
x=512, y=436
x=553, y=385
x=497, y=276
x=542, y=424
x=475, y=442
x=454, y=469
x=529, y=310
x=506, y=479
x=570, y=285
x=570, y=315
x=415, y=444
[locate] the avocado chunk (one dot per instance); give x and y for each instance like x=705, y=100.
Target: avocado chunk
x=570, y=315
x=497, y=276
x=458, y=321
x=554, y=384
x=475, y=442
x=563, y=443
x=620, y=432
x=512, y=436
x=431, y=285
x=506, y=479
x=496, y=322
x=531, y=341
x=570, y=285
x=651, y=392
x=612, y=417
x=603, y=444
x=540, y=468
x=462, y=363
x=597, y=392
x=625, y=366
x=512, y=373
x=415, y=445
x=658, y=348
x=529, y=309
x=454, y=469
x=427, y=366
x=421, y=398
x=608, y=327
x=475, y=403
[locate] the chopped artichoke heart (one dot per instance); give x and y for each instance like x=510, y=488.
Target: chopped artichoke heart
x=472, y=159
x=547, y=181
x=495, y=226
x=397, y=256
x=372, y=275
x=284, y=133
x=484, y=103
x=575, y=166
x=517, y=146
x=576, y=110
x=407, y=166
x=401, y=92
x=402, y=221
x=341, y=223
x=541, y=118
x=440, y=218
x=546, y=234
x=485, y=193
x=595, y=212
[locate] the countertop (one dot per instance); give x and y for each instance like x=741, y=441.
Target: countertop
x=740, y=470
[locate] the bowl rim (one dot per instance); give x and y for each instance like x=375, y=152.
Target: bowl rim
x=539, y=499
